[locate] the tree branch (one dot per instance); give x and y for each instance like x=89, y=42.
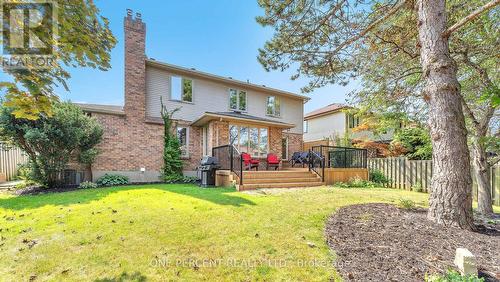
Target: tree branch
x=371, y=26
x=471, y=17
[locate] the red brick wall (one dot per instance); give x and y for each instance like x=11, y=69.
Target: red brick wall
x=295, y=143
x=275, y=140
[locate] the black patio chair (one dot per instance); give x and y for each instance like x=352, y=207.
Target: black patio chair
x=303, y=158
x=295, y=157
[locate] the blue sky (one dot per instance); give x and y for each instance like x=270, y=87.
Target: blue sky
x=220, y=37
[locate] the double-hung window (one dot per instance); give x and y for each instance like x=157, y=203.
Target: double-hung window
x=181, y=89
x=237, y=100
x=353, y=121
x=273, y=107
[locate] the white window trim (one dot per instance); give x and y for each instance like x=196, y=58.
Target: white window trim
x=187, y=140
x=182, y=90
x=237, y=100
x=287, y=144
x=274, y=108
x=237, y=141
x=306, y=126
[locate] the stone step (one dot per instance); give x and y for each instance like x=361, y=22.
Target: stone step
x=279, y=185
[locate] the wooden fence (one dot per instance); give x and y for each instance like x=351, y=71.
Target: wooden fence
x=10, y=158
x=412, y=174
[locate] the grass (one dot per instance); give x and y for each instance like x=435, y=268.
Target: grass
x=180, y=232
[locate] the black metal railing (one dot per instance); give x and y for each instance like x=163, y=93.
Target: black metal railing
x=229, y=159
x=342, y=157
x=317, y=163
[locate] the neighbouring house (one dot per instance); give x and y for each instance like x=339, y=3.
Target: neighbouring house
x=214, y=111
x=327, y=124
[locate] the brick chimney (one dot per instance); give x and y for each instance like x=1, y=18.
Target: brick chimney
x=135, y=66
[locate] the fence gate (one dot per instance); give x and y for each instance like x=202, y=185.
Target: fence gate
x=411, y=174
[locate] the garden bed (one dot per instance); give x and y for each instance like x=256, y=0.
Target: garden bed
x=381, y=242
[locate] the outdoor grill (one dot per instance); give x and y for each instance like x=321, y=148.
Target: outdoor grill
x=208, y=166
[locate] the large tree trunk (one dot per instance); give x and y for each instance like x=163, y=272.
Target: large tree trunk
x=451, y=193
x=482, y=173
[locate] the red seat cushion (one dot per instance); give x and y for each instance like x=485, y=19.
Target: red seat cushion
x=272, y=159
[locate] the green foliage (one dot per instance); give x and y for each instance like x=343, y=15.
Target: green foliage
x=87, y=185
x=25, y=184
x=417, y=187
x=172, y=163
x=112, y=180
x=51, y=142
x=378, y=177
x=180, y=179
x=357, y=183
x=24, y=172
x=416, y=141
x=407, y=204
x=84, y=39
x=453, y=276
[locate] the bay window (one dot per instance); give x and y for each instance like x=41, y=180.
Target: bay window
x=248, y=139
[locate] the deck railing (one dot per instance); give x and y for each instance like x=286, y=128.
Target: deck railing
x=229, y=159
x=342, y=157
x=317, y=163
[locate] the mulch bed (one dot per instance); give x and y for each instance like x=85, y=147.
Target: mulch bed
x=380, y=242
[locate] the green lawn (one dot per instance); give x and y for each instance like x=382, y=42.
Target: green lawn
x=181, y=232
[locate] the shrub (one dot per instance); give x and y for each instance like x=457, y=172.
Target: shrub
x=417, y=187
x=51, y=141
x=87, y=185
x=112, y=180
x=179, y=179
x=24, y=172
x=357, y=183
x=378, y=177
x=453, y=276
x=407, y=204
x=25, y=184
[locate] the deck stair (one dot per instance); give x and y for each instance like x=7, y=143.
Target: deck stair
x=280, y=179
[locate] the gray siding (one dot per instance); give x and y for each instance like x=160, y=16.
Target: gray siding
x=209, y=96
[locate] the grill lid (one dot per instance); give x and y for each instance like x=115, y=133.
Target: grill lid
x=207, y=160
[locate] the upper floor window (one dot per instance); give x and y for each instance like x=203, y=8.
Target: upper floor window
x=353, y=121
x=306, y=124
x=273, y=106
x=237, y=100
x=182, y=89
x=182, y=135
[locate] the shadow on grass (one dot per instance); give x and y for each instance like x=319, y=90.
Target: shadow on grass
x=219, y=196
x=125, y=277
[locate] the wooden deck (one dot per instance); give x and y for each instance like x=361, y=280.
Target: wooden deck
x=286, y=178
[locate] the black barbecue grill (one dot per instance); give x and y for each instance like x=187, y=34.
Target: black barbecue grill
x=208, y=166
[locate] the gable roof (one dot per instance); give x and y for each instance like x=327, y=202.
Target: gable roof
x=227, y=80
x=335, y=107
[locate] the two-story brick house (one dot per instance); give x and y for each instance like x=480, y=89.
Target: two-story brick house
x=214, y=111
